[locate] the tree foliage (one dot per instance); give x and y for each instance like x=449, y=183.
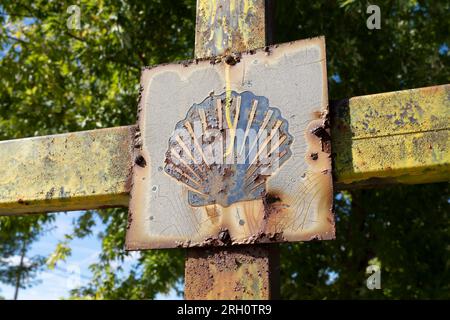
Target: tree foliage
x=54, y=79
x=17, y=234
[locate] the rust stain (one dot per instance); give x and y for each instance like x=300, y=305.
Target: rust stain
x=300, y=212
x=224, y=26
x=228, y=274
x=393, y=137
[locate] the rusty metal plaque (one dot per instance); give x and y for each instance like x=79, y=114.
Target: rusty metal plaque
x=233, y=150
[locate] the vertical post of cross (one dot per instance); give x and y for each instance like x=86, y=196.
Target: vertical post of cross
x=241, y=272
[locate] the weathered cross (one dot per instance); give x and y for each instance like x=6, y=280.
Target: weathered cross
x=397, y=137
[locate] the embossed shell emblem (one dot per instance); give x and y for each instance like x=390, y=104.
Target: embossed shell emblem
x=227, y=147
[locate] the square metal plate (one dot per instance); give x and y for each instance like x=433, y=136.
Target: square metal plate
x=234, y=151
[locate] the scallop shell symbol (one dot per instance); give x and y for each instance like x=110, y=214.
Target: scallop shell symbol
x=226, y=148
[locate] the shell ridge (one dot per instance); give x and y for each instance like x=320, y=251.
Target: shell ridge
x=230, y=150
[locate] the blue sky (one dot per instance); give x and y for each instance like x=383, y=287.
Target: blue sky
x=56, y=284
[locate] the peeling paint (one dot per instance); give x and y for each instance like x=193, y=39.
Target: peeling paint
x=225, y=26
x=394, y=137
x=192, y=200
x=73, y=171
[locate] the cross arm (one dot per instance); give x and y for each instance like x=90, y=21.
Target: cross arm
x=395, y=137
x=71, y=171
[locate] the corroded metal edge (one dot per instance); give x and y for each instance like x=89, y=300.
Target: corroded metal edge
x=72, y=171
x=317, y=136
x=393, y=137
